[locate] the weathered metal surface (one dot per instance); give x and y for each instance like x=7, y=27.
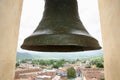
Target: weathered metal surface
x=60, y=30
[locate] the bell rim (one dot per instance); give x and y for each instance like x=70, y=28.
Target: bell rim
x=60, y=43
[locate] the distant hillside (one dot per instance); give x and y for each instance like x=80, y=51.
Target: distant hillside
x=21, y=55
x=55, y=55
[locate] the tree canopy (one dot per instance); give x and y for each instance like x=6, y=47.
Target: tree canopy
x=71, y=73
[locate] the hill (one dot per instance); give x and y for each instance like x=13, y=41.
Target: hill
x=21, y=55
x=56, y=55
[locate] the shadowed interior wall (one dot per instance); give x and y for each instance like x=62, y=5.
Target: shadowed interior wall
x=110, y=24
x=10, y=11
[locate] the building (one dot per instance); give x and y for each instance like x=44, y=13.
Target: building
x=92, y=74
x=43, y=77
x=56, y=78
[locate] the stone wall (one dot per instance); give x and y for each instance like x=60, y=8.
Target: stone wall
x=110, y=24
x=10, y=11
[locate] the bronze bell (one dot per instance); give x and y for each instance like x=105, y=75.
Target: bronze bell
x=60, y=30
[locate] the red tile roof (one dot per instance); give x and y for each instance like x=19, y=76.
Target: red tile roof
x=93, y=74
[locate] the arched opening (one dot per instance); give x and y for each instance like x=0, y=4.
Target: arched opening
x=31, y=16
x=10, y=14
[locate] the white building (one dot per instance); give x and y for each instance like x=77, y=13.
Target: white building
x=44, y=77
x=56, y=78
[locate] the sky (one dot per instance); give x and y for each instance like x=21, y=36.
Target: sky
x=32, y=13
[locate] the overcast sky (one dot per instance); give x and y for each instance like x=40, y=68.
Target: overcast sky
x=33, y=10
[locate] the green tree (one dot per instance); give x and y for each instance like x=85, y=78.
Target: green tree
x=23, y=61
x=17, y=64
x=98, y=62
x=100, y=65
x=52, y=61
x=71, y=73
x=102, y=79
x=56, y=66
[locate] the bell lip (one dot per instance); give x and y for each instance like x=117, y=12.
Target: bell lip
x=60, y=43
x=52, y=48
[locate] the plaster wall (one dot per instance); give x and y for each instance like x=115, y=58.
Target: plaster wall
x=110, y=24
x=10, y=11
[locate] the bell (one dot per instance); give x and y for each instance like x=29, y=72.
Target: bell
x=60, y=30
